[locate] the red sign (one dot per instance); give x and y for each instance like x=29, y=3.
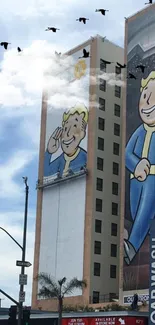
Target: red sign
x=126, y=320
x=107, y=320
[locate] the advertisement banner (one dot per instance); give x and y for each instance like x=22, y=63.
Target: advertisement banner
x=140, y=149
x=65, y=159
x=107, y=320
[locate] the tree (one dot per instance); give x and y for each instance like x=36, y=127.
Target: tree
x=52, y=289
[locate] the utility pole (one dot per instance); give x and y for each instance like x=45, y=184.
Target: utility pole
x=21, y=292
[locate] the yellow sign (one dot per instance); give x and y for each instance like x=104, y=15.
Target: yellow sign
x=80, y=69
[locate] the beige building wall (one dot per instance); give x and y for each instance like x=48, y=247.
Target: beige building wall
x=104, y=284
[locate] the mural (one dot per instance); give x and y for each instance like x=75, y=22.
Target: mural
x=63, y=203
x=68, y=136
x=140, y=150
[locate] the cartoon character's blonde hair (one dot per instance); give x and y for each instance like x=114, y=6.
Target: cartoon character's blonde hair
x=144, y=82
x=78, y=108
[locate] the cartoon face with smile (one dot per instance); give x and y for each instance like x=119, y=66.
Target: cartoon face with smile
x=74, y=130
x=147, y=100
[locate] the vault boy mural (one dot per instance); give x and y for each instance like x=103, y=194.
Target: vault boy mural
x=69, y=137
x=140, y=161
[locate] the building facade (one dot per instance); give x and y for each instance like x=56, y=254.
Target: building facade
x=138, y=180
x=79, y=188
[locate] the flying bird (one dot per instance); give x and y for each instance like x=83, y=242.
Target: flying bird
x=131, y=76
x=57, y=54
x=53, y=29
x=82, y=19
x=102, y=11
x=85, y=54
x=5, y=44
x=103, y=38
x=19, y=49
x=121, y=66
x=141, y=66
x=149, y=3
x=107, y=62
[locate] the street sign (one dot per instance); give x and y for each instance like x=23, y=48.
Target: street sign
x=22, y=279
x=21, y=296
x=23, y=263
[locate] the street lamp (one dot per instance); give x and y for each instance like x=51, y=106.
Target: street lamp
x=21, y=292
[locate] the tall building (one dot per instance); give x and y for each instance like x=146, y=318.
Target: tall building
x=138, y=180
x=78, y=203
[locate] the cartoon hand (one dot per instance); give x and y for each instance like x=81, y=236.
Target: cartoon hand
x=142, y=170
x=54, y=141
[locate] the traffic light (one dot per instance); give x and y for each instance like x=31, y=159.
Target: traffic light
x=12, y=315
x=26, y=316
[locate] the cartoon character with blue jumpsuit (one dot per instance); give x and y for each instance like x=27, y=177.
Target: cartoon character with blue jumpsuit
x=140, y=161
x=69, y=136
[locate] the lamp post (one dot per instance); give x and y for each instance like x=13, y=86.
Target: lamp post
x=23, y=248
x=20, y=308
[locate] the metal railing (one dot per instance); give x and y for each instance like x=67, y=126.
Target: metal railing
x=56, y=178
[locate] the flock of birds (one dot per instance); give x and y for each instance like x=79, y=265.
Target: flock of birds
x=85, y=53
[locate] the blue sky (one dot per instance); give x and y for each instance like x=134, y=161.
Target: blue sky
x=23, y=25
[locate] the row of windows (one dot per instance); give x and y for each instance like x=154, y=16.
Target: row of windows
x=115, y=146
x=98, y=227
x=97, y=298
x=99, y=186
x=103, y=88
x=100, y=166
x=102, y=105
x=101, y=126
x=97, y=249
x=97, y=270
x=99, y=201
x=103, y=67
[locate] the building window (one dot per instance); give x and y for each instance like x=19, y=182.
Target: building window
x=113, y=271
x=114, y=188
x=118, y=91
x=100, y=163
x=113, y=250
x=96, y=297
x=101, y=123
x=116, y=149
x=114, y=209
x=98, y=226
x=101, y=144
x=102, y=104
x=115, y=168
x=99, y=184
x=97, y=269
x=114, y=229
x=99, y=205
x=102, y=65
x=97, y=247
x=117, y=70
x=117, y=110
x=116, y=129
x=102, y=84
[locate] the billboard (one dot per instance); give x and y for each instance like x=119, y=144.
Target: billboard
x=65, y=162
x=140, y=149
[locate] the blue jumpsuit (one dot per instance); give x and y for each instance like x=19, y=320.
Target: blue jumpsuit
x=142, y=194
x=58, y=165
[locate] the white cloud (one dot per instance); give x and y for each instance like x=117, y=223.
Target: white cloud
x=24, y=76
x=11, y=168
